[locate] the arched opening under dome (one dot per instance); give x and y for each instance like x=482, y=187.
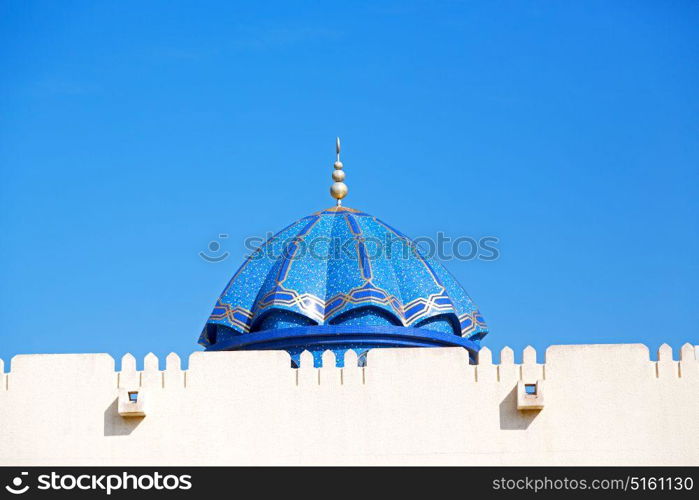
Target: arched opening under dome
x=366, y=315
x=276, y=318
x=445, y=323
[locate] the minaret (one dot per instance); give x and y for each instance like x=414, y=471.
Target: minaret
x=339, y=189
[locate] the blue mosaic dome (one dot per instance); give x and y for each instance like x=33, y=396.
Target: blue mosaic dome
x=340, y=279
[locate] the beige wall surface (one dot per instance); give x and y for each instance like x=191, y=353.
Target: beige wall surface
x=604, y=404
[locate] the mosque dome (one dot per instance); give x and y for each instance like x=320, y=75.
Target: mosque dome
x=341, y=279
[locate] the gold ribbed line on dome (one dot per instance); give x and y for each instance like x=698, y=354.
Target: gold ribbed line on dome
x=339, y=189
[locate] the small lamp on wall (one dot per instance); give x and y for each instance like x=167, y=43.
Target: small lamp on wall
x=132, y=402
x=530, y=395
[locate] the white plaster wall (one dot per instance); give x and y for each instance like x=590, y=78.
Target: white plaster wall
x=604, y=404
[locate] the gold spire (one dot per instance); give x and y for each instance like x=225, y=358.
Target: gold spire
x=339, y=189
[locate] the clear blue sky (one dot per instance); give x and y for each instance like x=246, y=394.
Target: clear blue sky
x=132, y=133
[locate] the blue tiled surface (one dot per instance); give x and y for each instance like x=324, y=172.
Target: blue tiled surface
x=343, y=267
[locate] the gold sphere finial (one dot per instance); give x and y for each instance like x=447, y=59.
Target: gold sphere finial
x=339, y=189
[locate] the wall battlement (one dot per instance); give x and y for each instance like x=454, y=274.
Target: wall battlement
x=277, y=363
x=603, y=404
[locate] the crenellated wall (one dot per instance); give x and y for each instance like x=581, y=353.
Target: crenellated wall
x=603, y=404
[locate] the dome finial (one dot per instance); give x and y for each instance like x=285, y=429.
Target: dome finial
x=339, y=189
